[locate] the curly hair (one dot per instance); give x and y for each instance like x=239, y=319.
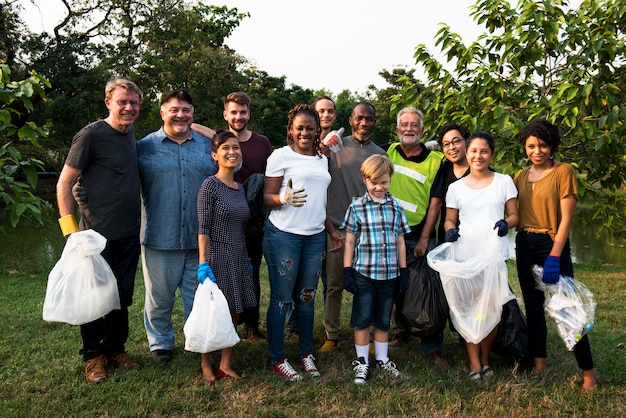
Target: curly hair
x=543, y=130
x=304, y=109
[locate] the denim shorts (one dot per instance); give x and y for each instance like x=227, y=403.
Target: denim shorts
x=372, y=304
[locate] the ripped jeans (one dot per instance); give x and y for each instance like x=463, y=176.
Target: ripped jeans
x=294, y=263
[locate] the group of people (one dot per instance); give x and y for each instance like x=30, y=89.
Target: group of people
x=353, y=216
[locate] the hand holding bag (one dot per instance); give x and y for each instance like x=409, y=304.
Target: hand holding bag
x=209, y=326
x=81, y=286
x=569, y=304
x=425, y=304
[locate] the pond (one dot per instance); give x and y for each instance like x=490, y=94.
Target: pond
x=587, y=247
x=35, y=247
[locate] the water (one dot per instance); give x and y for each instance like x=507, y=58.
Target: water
x=586, y=246
x=32, y=247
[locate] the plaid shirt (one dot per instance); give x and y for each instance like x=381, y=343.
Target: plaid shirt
x=377, y=226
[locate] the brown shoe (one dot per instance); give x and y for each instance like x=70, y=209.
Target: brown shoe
x=398, y=341
x=95, y=369
x=124, y=362
x=329, y=346
x=254, y=335
x=437, y=360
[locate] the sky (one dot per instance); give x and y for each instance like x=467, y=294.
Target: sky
x=326, y=44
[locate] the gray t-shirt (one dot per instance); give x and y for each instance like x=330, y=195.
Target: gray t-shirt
x=108, y=161
x=346, y=181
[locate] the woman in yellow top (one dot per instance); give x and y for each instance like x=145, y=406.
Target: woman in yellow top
x=547, y=198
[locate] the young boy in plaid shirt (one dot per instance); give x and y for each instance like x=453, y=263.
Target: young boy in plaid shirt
x=374, y=263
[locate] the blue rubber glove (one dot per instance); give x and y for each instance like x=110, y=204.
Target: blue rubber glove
x=403, y=281
x=551, y=270
x=502, y=227
x=204, y=271
x=452, y=235
x=349, y=281
x=250, y=266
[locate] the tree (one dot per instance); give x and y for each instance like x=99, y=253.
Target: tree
x=382, y=100
x=539, y=59
x=183, y=48
x=271, y=101
x=159, y=44
x=344, y=103
x=18, y=175
x=10, y=24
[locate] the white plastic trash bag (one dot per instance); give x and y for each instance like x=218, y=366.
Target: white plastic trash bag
x=81, y=286
x=474, y=276
x=209, y=326
x=569, y=304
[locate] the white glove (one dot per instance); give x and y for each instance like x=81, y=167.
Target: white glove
x=295, y=198
x=432, y=145
x=333, y=140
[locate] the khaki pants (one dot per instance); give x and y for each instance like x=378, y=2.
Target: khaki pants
x=334, y=289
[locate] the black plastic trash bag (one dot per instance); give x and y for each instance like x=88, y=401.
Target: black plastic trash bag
x=425, y=303
x=512, y=339
x=254, y=186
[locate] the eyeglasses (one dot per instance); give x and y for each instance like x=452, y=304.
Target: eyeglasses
x=124, y=103
x=455, y=141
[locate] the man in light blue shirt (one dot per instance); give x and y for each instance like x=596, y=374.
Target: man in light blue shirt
x=173, y=163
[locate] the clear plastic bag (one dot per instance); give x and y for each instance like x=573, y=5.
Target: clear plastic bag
x=81, y=286
x=209, y=326
x=569, y=304
x=475, y=280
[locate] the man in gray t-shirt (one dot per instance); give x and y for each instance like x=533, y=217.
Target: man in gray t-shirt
x=104, y=154
x=346, y=183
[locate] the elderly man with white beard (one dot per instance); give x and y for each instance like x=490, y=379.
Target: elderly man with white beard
x=418, y=185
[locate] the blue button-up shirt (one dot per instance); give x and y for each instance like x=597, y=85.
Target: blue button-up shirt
x=171, y=175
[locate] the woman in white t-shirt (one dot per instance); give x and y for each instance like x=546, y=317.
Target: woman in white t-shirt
x=476, y=205
x=294, y=243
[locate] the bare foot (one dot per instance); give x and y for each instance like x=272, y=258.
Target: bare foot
x=540, y=365
x=208, y=376
x=589, y=380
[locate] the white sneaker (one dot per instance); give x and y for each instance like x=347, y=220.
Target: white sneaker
x=361, y=371
x=390, y=367
x=284, y=369
x=308, y=366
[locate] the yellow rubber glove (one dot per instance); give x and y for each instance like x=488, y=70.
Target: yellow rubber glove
x=68, y=225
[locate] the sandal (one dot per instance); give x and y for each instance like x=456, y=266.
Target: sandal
x=486, y=371
x=476, y=377
x=223, y=375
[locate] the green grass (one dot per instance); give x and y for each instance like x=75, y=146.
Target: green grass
x=41, y=373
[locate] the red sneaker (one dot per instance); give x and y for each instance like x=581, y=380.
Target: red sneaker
x=284, y=369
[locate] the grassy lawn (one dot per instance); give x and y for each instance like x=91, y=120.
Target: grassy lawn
x=41, y=373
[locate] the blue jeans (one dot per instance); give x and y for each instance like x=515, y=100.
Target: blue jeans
x=372, y=304
x=293, y=263
x=164, y=271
